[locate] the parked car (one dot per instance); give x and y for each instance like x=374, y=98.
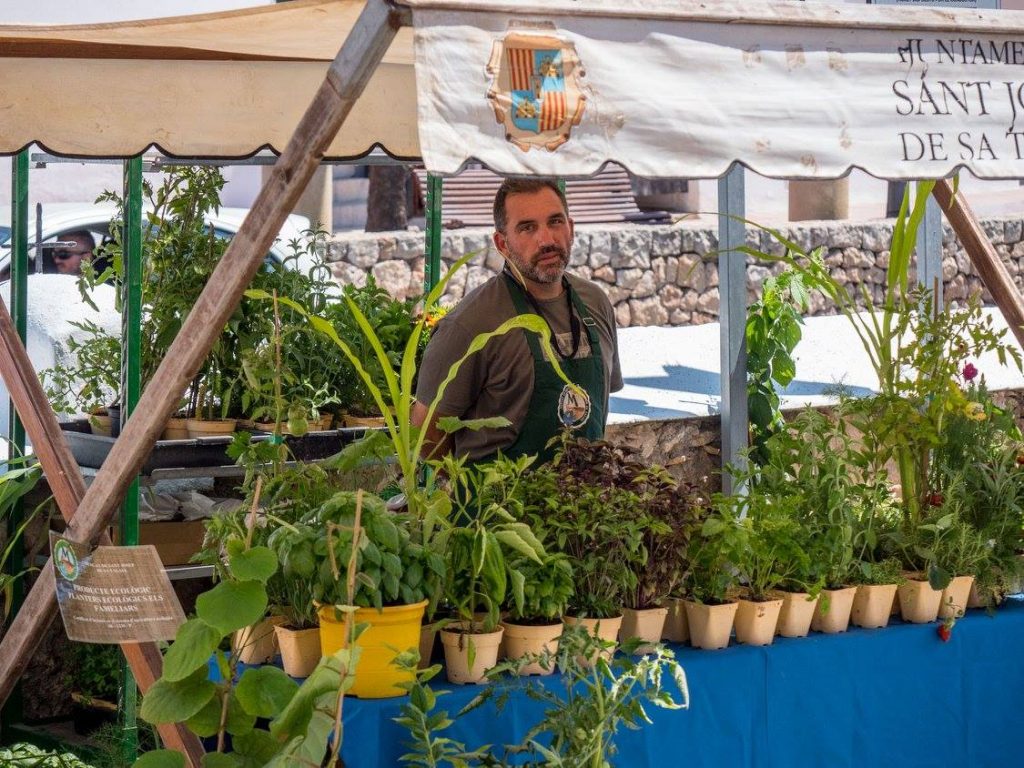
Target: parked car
x=54, y=303
x=63, y=218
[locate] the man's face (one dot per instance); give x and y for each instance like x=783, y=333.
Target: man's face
x=538, y=236
x=68, y=259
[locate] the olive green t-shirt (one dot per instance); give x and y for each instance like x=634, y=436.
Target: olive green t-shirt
x=498, y=380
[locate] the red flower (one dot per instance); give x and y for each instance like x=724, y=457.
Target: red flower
x=969, y=372
x=936, y=499
x=945, y=629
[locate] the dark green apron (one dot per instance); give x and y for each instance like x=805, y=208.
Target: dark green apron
x=552, y=403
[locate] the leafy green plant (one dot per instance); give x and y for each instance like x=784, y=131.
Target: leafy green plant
x=301, y=718
x=91, y=382
x=18, y=478
x=392, y=568
x=587, y=505
x=815, y=465
x=95, y=671
x=548, y=589
x=419, y=715
x=915, y=349
x=772, y=333
x=401, y=441
x=485, y=539
x=712, y=576
x=580, y=721
x=393, y=322
x=31, y=756
x=770, y=548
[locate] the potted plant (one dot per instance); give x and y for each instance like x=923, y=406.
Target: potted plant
x=298, y=634
x=481, y=544
x=976, y=472
x=674, y=512
x=584, y=505
x=877, y=582
x=396, y=575
x=711, y=611
x=960, y=552
x=768, y=553
x=533, y=628
x=91, y=382
x=812, y=462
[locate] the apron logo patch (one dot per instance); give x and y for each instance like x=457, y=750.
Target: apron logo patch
x=573, y=407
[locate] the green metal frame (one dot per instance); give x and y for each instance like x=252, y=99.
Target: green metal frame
x=12, y=712
x=131, y=386
x=432, y=255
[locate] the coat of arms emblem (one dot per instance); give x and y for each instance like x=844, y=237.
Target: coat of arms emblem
x=535, y=89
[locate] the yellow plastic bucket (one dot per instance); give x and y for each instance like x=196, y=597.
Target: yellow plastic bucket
x=390, y=632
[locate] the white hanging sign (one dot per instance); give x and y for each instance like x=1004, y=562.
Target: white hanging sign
x=562, y=95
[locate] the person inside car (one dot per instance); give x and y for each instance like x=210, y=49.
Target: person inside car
x=74, y=247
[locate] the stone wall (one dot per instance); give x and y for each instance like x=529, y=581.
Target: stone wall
x=666, y=275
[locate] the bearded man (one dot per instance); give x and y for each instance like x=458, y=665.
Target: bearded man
x=511, y=376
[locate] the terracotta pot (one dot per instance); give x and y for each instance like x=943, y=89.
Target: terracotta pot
x=300, y=649
x=176, y=429
x=257, y=644
x=521, y=640
x=919, y=603
x=457, y=646
x=677, y=630
x=604, y=629
x=872, y=605
x=428, y=634
x=202, y=428
x=796, y=614
x=832, y=613
x=370, y=422
x=955, y=597
x=756, y=621
x=710, y=625
x=99, y=424
x=646, y=624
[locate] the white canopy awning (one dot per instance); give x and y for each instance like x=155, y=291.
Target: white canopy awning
x=667, y=88
x=215, y=85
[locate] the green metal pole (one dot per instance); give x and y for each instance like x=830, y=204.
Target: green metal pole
x=12, y=712
x=432, y=257
x=131, y=385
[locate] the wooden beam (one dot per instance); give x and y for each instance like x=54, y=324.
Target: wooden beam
x=346, y=78
x=65, y=480
x=983, y=255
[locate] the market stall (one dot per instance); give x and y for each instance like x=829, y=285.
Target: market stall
x=666, y=90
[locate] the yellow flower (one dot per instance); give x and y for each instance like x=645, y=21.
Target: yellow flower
x=975, y=411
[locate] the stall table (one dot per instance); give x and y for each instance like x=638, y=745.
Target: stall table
x=895, y=697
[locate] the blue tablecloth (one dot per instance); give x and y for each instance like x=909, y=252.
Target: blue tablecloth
x=865, y=699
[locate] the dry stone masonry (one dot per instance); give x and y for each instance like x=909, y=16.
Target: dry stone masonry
x=667, y=275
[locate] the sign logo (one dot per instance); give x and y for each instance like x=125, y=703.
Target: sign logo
x=535, y=89
x=65, y=559
x=573, y=407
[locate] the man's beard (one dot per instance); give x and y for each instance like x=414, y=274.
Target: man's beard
x=547, y=275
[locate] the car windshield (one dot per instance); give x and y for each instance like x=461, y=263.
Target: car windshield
x=5, y=234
